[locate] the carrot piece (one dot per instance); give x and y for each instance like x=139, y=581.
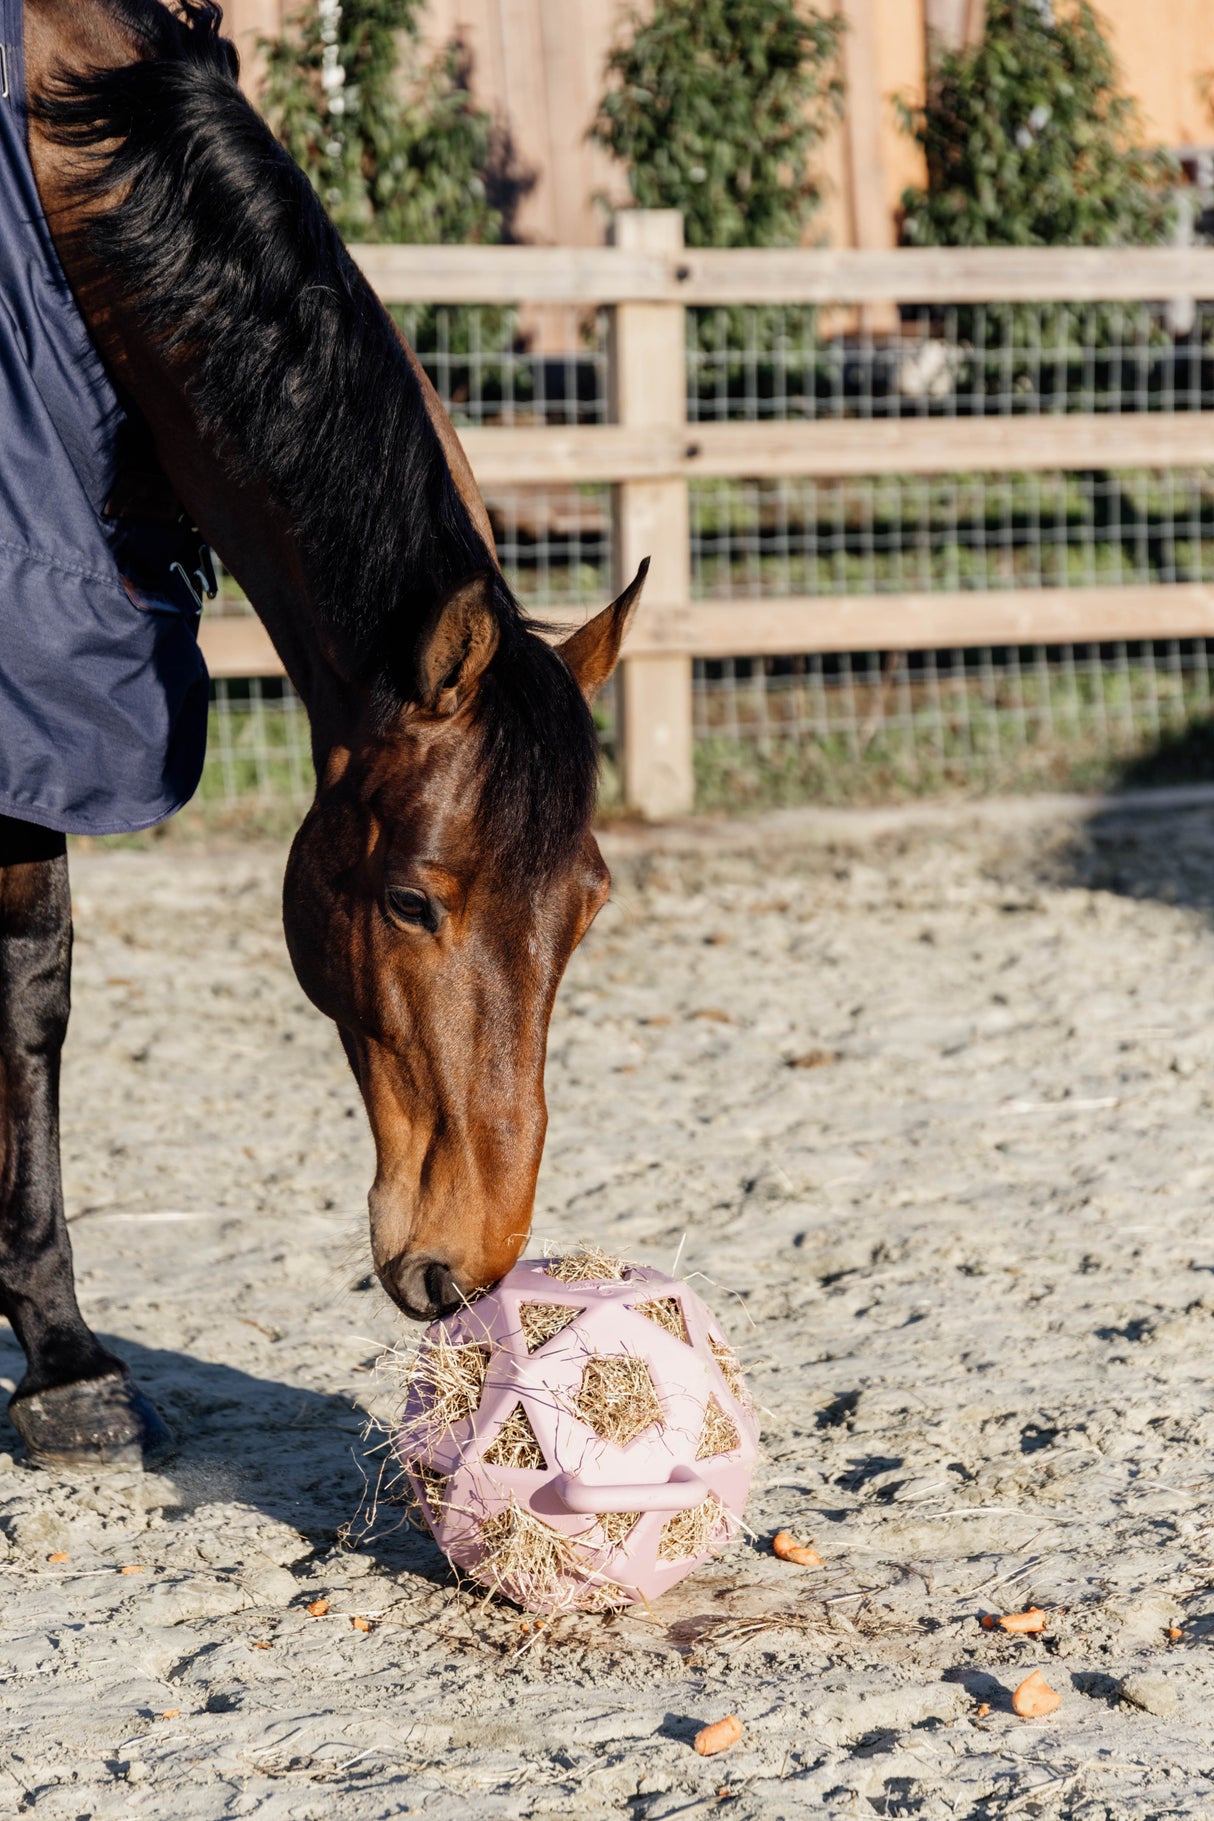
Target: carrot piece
x=785, y=1545
x=361, y=1624
x=719, y=1736
x=1174, y=1631
x=1032, y=1620
x=131, y=1568
x=984, y=1707
x=60, y=1555
x=261, y=1644
x=171, y=1713
x=1035, y=1697
x=318, y=1608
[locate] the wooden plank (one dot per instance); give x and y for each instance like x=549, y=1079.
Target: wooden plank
x=652, y=519
x=924, y=622
x=237, y=647
x=772, y=275
x=825, y=623
x=872, y=224
x=525, y=455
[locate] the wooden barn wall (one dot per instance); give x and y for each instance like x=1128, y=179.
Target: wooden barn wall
x=538, y=64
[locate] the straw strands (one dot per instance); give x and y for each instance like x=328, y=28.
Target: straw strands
x=731, y=1368
x=719, y=1434
x=692, y=1532
x=587, y=1265
x=667, y=1312
x=516, y=1443
x=541, y=1322
x=531, y=1563
x=616, y=1525
x=449, y=1381
x=617, y=1398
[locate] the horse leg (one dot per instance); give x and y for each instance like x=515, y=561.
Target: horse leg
x=77, y=1405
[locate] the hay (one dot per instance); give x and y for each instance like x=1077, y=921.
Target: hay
x=719, y=1434
x=617, y=1525
x=534, y=1565
x=540, y=1322
x=434, y=1491
x=449, y=1381
x=617, y=1397
x=667, y=1312
x=731, y=1368
x=517, y=1444
x=692, y=1532
x=587, y=1265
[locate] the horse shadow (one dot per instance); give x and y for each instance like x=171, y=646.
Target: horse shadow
x=297, y=1456
x=1152, y=844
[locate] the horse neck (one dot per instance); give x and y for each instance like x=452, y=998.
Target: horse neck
x=257, y=547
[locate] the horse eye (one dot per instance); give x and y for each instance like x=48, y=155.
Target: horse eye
x=406, y=905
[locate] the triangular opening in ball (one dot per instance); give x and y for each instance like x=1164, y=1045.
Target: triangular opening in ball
x=667, y=1312
x=588, y=1265
x=719, y=1434
x=516, y=1444
x=618, y=1526
x=434, y=1491
x=692, y=1532
x=541, y=1322
x=617, y=1398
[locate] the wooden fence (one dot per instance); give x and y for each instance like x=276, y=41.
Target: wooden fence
x=648, y=453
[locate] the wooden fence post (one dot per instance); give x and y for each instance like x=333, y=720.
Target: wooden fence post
x=650, y=518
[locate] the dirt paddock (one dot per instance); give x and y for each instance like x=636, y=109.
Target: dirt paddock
x=931, y=1096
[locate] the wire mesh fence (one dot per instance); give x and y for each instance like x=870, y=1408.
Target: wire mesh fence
x=869, y=723
x=973, y=360
x=865, y=726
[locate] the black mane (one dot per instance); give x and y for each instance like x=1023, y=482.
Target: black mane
x=297, y=375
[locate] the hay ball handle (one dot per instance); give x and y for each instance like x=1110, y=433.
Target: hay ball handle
x=682, y=1490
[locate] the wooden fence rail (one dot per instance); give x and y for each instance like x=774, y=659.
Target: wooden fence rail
x=649, y=452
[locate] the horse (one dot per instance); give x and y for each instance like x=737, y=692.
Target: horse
x=446, y=868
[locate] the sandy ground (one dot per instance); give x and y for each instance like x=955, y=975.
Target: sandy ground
x=930, y=1097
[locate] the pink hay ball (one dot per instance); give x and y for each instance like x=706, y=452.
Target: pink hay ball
x=579, y=1438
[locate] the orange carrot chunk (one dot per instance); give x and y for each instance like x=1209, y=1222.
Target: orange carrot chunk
x=785, y=1545
x=1035, y=1697
x=318, y=1608
x=60, y=1555
x=719, y=1736
x=361, y=1624
x=1032, y=1620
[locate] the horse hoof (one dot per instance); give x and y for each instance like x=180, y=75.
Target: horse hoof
x=95, y=1422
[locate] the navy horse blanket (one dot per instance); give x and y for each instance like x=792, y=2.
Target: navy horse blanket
x=103, y=690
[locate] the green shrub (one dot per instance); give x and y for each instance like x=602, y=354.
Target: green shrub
x=396, y=154
x=1028, y=142
x=715, y=107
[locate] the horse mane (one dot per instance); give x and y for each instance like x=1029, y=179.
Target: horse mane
x=220, y=247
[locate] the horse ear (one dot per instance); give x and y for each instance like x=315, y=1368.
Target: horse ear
x=456, y=646
x=593, y=650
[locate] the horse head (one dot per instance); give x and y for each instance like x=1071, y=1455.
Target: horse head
x=435, y=892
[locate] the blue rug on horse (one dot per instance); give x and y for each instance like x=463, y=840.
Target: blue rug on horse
x=103, y=690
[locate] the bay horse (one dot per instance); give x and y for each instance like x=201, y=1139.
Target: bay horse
x=446, y=869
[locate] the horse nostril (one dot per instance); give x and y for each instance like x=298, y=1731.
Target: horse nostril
x=424, y=1288
x=441, y=1288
